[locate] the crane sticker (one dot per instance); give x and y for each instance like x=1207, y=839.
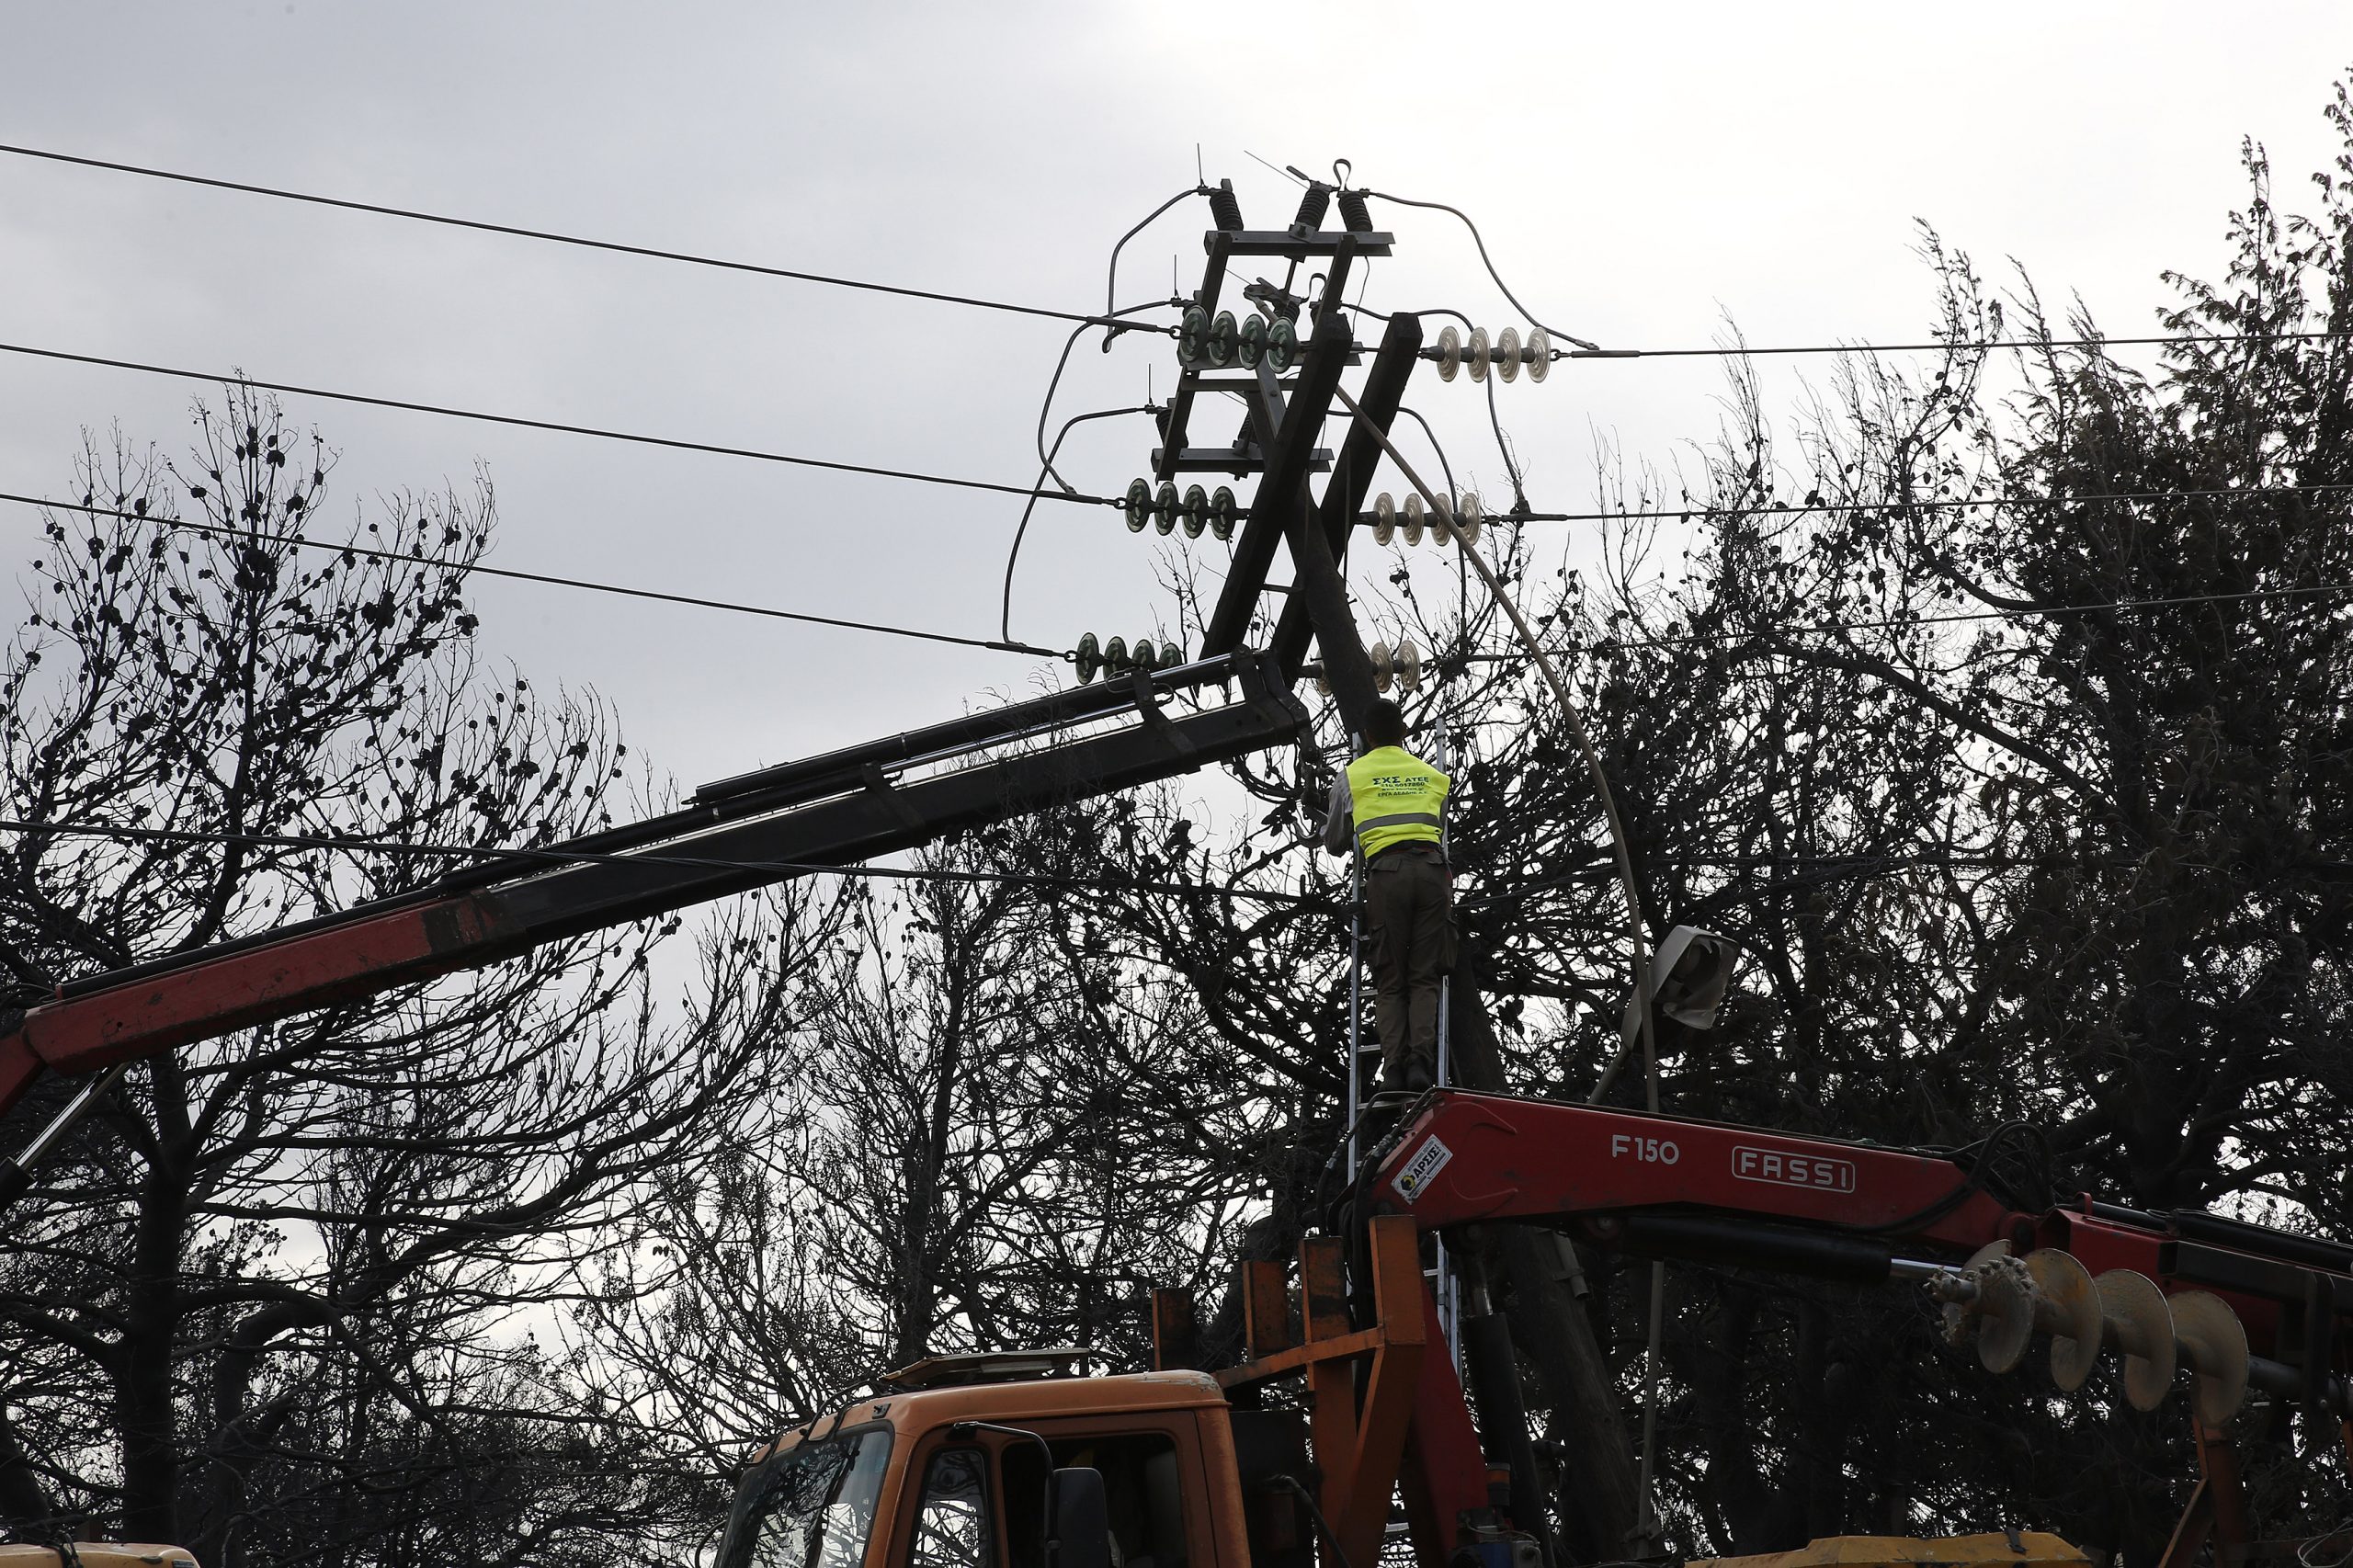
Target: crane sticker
x=1792, y=1170
x=1427, y=1161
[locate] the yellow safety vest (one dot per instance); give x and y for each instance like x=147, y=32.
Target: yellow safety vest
x=1394, y=798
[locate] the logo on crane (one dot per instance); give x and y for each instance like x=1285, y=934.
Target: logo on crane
x=1792, y=1170
x=1427, y=1161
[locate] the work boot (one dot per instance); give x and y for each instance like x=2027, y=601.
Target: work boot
x=1409, y=1082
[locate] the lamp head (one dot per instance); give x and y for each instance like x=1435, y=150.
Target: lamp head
x=1689, y=975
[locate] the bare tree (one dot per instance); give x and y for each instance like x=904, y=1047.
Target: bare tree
x=280, y=1299
x=2073, y=862
x=991, y=1134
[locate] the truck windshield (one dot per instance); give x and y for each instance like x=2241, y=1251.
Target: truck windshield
x=811, y=1506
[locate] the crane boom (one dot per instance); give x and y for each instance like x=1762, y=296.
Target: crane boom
x=1684, y=1188
x=1708, y=1191
x=737, y=835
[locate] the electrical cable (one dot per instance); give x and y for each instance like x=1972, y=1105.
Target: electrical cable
x=1046, y=469
x=1635, y=922
x=1054, y=382
x=785, y=868
x=1644, y=1027
x=553, y=238
x=1363, y=310
x=584, y=583
x=1494, y=420
x=1970, y=344
x=1925, y=503
x=1004, y=624
x=1826, y=868
x=1972, y=1180
x=702, y=862
x=519, y=422
x=1832, y=627
x=2304, y=1550
x=1461, y=571
x=1111, y=280
x=1989, y=342
x=1445, y=467
x=1477, y=239
x=1324, y=1526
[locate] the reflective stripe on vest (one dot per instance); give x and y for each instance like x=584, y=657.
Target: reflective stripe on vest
x=1394, y=797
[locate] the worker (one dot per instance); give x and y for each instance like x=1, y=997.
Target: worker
x=1388, y=804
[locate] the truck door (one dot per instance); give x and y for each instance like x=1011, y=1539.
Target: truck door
x=1145, y=1489
x=980, y=1503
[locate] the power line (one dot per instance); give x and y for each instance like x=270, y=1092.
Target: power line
x=1831, y=867
x=671, y=442
x=1831, y=627
x=585, y=584
x=659, y=255
x=1803, y=868
x=1111, y=319
x=1005, y=645
x=702, y=862
x=1925, y=504
x=1744, y=352
x=1823, y=865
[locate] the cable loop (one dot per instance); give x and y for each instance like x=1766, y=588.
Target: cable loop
x=1479, y=241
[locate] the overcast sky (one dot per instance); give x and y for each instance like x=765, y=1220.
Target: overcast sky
x=1642, y=175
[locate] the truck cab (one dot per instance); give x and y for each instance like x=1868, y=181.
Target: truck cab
x=948, y=1469
x=948, y=1465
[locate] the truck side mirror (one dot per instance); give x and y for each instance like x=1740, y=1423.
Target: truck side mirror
x=1081, y=1523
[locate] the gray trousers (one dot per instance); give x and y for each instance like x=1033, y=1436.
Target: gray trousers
x=1405, y=896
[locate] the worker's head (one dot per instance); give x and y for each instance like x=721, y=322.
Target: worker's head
x=1384, y=724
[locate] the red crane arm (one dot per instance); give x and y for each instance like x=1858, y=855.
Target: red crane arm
x=1710, y=1191
x=123, y=1022
x=1470, y=1156
x=735, y=834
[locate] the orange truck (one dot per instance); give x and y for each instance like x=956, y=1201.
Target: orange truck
x=1014, y=1461
x=1151, y=1469
x=1346, y=1396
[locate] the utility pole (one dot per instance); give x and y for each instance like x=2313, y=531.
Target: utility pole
x=1287, y=412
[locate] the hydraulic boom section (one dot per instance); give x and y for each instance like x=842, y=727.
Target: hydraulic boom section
x=739, y=834
x=2229, y=1302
